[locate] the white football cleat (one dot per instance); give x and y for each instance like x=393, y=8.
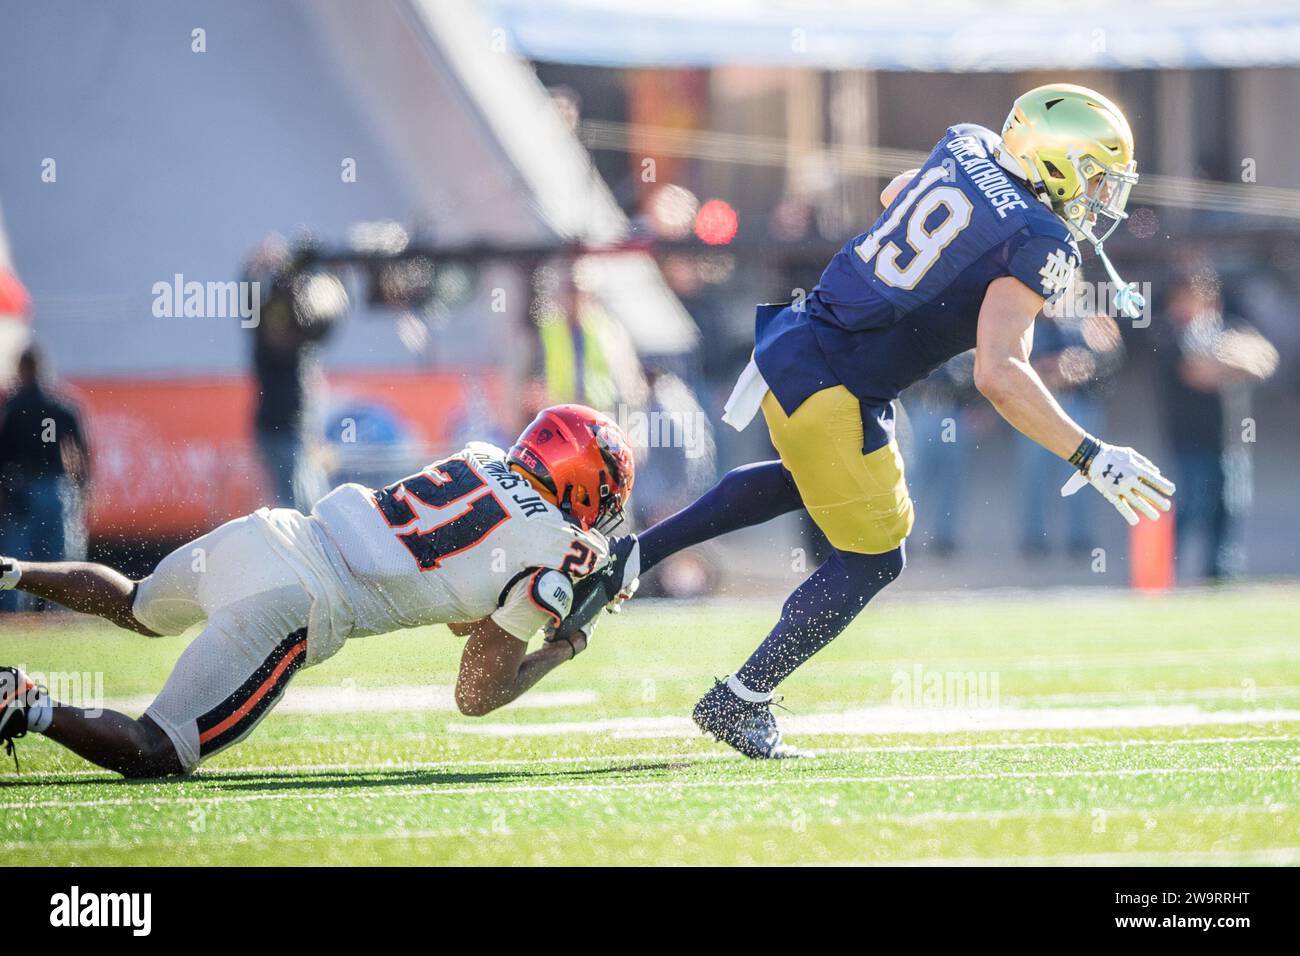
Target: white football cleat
x=10, y=572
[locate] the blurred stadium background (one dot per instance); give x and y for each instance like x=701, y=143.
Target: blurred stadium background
x=459, y=212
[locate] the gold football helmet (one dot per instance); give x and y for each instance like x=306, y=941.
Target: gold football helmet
x=1076, y=150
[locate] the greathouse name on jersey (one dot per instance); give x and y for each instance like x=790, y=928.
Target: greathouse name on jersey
x=990, y=178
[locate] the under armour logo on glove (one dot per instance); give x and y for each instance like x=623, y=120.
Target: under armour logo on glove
x=1138, y=488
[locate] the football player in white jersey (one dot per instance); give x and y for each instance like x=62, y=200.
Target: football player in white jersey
x=486, y=542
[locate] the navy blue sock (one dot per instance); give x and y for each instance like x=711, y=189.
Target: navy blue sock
x=817, y=611
x=748, y=495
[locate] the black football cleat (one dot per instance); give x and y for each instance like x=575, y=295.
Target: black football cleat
x=598, y=591
x=17, y=693
x=747, y=726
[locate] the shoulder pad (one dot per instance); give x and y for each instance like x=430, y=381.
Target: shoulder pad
x=552, y=591
x=483, y=449
x=982, y=133
x=1041, y=221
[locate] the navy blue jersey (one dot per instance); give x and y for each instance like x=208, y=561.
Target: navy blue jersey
x=901, y=299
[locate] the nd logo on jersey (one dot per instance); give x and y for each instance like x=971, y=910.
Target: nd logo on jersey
x=1056, y=271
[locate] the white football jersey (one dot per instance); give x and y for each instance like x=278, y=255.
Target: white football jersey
x=463, y=539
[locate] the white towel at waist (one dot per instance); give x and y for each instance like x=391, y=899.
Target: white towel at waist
x=746, y=398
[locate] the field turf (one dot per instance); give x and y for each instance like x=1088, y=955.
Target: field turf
x=1094, y=728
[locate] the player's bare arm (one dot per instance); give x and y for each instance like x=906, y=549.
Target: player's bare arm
x=1004, y=374
x=496, y=667
x=896, y=186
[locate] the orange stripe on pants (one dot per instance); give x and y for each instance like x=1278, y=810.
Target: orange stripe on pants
x=294, y=652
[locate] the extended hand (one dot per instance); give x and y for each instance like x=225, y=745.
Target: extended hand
x=1126, y=479
x=574, y=642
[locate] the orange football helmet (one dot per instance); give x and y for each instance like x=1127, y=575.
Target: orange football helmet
x=582, y=457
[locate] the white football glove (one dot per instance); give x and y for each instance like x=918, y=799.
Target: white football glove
x=1126, y=479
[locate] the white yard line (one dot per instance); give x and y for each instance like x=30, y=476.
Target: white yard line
x=676, y=756
x=792, y=779
x=906, y=720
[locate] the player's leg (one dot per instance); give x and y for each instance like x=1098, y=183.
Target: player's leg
x=77, y=585
x=166, y=602
x=114, y=741
x=852, y=485
x=850, y=472
x=745, y=496
x=201, y=574
x=226, y=681
x=255, y=639
x=815, y=614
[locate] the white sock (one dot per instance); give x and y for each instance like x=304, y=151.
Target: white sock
x=744, y=693
x=40, y=714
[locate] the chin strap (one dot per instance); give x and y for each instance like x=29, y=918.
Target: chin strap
x=1128, y=300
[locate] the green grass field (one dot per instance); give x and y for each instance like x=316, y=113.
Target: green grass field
x=1107, y=729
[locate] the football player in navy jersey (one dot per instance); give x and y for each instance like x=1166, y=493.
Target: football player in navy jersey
x=968, y=250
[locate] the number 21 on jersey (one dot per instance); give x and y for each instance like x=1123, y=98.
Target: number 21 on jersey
x=441, y=485
x=922, y=201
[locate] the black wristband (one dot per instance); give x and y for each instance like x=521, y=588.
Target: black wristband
x=1085, y=453
x=573, y=649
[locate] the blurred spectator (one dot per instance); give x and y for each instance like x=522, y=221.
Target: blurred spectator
x=297, y=314
x=1074, y=352
x=1209, y=362
x=939, y=418
x=44, y=465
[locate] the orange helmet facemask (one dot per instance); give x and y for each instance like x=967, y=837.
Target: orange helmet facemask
x=582, y=458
